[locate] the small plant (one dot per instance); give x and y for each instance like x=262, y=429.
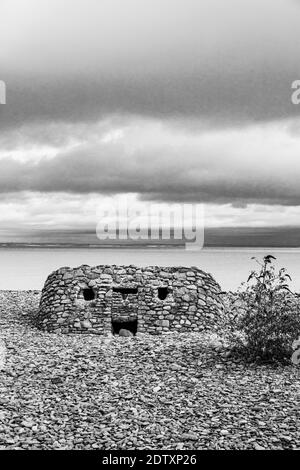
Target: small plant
x=264, y=316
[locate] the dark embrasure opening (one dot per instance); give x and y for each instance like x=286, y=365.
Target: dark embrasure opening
x=163, y=293
x=118, y=325
x=124, y=291
x=89, y=294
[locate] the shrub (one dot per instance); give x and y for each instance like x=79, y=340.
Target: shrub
x=263, y=318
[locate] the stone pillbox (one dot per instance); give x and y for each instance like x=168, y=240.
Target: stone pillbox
x=120, y=299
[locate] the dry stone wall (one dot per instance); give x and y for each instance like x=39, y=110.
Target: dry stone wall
x=105, y=299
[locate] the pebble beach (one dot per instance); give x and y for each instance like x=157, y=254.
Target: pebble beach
x=176, y=391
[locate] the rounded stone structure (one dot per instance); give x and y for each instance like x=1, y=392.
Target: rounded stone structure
x=108, y=299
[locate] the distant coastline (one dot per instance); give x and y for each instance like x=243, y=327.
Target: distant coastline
x=217, y=237
x=92, y=246
x=179, y=246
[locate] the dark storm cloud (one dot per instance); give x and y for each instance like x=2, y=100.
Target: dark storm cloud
x=226, y=63
x=216, y=100
x=199, y=90
x=164, y=173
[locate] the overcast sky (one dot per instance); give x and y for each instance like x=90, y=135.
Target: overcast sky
x=166, y=100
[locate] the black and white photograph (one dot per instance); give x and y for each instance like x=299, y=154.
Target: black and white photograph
x=149, y=228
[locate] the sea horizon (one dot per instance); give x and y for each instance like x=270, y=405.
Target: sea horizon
x=27, y=267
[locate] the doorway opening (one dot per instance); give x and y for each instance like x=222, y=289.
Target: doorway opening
x=130, y=325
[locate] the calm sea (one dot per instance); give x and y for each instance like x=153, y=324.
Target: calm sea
x=27, y=268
